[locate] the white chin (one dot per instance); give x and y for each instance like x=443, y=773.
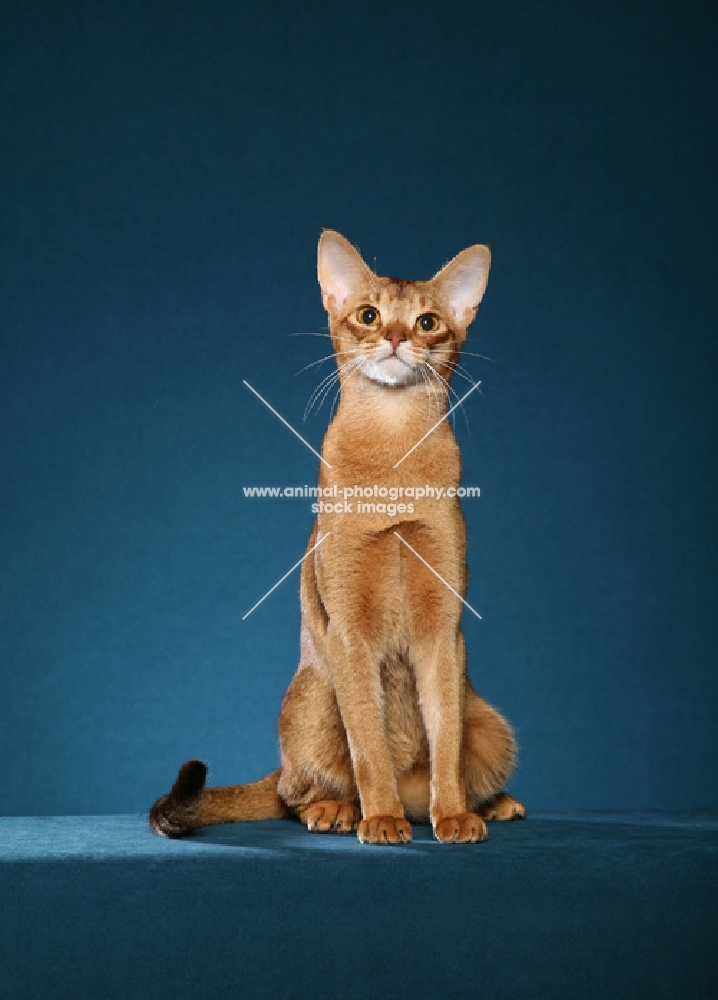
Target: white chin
x=389, y=372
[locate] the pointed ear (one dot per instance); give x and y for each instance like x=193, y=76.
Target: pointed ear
x=342, y=272
x=462, y=282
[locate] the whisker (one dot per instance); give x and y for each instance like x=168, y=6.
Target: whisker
x=449, y=391
x=457, y=368
x=334, y=402
x=426, y=383
x=327, y=380
x=336, y=394
x=327, y=358
x=310, y=402
x=431, y=386
x=472, y=354
x=326, y=383
x=460, y=371
x=357, y=362
x=326, y=389
x=446, y=359
x=309, y=335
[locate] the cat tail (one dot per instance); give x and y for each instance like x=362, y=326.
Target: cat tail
x=189, y=805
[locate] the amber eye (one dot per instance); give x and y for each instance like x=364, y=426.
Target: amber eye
x=368, y=316
x=427, y=323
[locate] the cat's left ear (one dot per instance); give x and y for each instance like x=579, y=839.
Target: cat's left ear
x=462, y=283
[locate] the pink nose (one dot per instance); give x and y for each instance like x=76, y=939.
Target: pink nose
x=396, y=337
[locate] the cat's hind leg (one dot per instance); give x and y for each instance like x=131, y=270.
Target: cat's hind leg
x=489, y=759
x=317, y=781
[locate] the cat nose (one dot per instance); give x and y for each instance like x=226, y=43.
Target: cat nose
x=395, y=335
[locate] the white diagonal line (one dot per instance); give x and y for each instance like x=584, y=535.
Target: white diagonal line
x=286, y=425
x=448, y=412
x=288, y=573
x=436, y=574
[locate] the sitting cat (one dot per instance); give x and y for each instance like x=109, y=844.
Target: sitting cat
x=380, y=724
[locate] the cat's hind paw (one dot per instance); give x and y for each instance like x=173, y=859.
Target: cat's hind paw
x=329, y=816
x=502, y=807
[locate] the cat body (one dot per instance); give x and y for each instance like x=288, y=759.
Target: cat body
x=380, y=724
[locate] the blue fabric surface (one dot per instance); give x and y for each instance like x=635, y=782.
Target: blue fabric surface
x=592, y=905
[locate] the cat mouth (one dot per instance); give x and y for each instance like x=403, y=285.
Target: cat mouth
x=391, y=371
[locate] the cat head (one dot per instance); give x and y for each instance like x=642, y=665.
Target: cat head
x=394, y=331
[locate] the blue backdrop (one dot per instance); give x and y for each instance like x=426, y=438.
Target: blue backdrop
x=166, y=171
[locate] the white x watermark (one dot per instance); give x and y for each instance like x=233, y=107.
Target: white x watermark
x=324, y=537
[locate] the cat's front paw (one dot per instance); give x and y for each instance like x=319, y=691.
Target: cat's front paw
x=384, y=830
x=465, y=828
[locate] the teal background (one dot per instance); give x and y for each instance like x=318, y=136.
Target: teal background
x=165, y=173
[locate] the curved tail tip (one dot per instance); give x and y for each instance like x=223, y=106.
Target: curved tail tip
x=173, y=815
x=190, y=779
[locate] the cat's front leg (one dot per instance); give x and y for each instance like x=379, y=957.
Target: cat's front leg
x=357, y=683
x=440, y=678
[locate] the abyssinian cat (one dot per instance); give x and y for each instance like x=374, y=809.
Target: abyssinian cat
x=380, y=724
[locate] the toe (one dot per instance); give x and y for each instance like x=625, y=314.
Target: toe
x=466, y=828
x=384, y=830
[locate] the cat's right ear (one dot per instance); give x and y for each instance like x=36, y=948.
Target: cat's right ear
x=342, y=272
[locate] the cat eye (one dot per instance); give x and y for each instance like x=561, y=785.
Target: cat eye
x=427, y=323
x=368, y=316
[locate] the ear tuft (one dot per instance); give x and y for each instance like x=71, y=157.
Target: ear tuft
x=341, y=270
x=462, y=282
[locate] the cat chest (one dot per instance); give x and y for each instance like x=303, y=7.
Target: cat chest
x=378, y=585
